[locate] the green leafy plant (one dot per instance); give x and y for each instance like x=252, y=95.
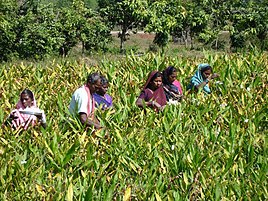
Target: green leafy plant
x=206, y=148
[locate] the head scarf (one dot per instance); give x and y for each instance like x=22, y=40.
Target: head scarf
x=20, y=105
x=198, y=78
x=159, y=94
x=175, y=86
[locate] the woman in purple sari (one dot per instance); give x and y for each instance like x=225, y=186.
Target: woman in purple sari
x=153, y=94
x=102, y=99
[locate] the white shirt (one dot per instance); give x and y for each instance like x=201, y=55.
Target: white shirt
x=79, y=102
x=33, y=110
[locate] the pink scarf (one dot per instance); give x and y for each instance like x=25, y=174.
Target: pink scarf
x=23, y=120
x=91, y=103
x=178, y=85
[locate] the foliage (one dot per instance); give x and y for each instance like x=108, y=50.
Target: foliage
x=67, y=3
x=71, y=21
x=126, y=14
x=8, y=11
x=162, y=18
x=35, y=30
x=37, y=35
x=95, y=35
x=249, y=21
x=206, y=148
x=217, y=16
x=29, y=31
x=77, y=24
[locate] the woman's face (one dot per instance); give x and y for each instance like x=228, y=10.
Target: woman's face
x=103, y=89
x=156, y=83
x=26, y=100
x=206, y=73
x=172, y=77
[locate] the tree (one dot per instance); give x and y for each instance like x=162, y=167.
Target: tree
x=30, y=29
x=217, y=20
x=8, y=15
x=185, y=19
x=36, y=33
x=126, y=14
x=162, y=18
x=249, y=20
x=27, y=30
x=78, y=23
x=95, y=35
x=195, y=21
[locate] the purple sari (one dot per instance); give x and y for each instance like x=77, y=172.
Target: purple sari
x=158, y=95
x=106, y=101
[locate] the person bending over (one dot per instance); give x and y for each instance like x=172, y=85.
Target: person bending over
x=153, y=94
x=83, y=104
x=171, y=85
x=202, y=77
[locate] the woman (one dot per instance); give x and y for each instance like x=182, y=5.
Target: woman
x=201, y=79
x=101, y=97
x=172, y=87
x=26, y=113
x=153, y=94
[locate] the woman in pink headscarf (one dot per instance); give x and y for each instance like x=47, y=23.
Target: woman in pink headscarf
x=153, y=94
x=26, y=113
x=171, y=85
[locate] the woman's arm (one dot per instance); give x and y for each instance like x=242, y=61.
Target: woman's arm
x=202, y=84
x=141, y=103
x=153, y=104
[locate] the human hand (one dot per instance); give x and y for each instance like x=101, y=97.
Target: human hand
x=162, y=108
x=39, y=116
x=12, y=116
x=182, y=97
x=157, y=105
x=214, y=75
x=98, y=126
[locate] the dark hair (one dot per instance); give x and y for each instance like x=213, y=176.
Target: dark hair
x=156, y=75
x=167, y=72
x=104, y=80
x=205, y=69
x=170, y=70
x=93, y=78
x=28, y=92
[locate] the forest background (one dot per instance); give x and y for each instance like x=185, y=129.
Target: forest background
x=37, y=29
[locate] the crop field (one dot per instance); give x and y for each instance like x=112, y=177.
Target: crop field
x=206, y=148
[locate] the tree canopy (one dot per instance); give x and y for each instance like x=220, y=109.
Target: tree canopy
x=36, y=28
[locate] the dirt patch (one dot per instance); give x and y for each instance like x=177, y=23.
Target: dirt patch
x=145, y=36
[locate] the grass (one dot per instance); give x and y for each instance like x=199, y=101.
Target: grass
x=206, y=148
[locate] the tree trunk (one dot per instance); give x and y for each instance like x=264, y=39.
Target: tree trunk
x=122, y=36
x=261, y=36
